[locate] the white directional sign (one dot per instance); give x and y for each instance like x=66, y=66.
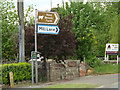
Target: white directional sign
x=47, y=29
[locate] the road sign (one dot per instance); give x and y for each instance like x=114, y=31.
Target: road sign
x=47, y=17
x=112, y=48
x=47, y=29
x=34, y=55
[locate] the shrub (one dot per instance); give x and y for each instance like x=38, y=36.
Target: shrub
x=93, y=62
x=21, y=71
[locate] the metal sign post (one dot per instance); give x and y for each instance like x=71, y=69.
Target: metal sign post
x=32, y=57
x=44, y=18
x=32, y=72
x=36, y=46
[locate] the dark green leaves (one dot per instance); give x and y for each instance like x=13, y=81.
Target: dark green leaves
x=21, y=72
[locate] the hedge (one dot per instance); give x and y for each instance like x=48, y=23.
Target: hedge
x=21, y=72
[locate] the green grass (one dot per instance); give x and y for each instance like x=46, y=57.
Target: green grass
x=106, y=69
x=74, y=86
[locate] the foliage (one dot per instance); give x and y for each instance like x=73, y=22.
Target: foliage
x=29, y=17
x=106, y=69
x=89, y=26
x=21, y=71
x=53, y=46
x=99, y=20
x=101, y=31
x=94, y=62
x=113, y=11
x=9, y=27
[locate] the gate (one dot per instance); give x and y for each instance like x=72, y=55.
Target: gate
x=42, y=71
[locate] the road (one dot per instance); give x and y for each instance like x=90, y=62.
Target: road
x=105, y=81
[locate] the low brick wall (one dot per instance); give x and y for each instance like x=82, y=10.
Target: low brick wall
x=58, y=71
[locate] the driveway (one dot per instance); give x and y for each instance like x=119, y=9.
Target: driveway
x=105, y=81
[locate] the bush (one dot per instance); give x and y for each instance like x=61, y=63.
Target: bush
x=21, y=71
x=93, y=62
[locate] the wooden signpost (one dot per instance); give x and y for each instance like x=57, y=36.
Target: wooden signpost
x=11, y=79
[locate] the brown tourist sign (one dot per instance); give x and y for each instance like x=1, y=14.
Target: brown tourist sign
x=47, y=17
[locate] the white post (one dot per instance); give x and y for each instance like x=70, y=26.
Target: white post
x=107, y=56
x=117, y=59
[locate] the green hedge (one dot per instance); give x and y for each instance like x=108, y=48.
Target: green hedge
x=21, y=71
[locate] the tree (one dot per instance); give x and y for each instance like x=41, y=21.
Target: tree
x=112, y=19
x=113, y=12
x=101, y=30
x=29, y=18
x=10, y=31
x=57, y=47
x=87, y=20
x=9, y=27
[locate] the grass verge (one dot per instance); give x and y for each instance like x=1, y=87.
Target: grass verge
x=106, y=69
x=74, y=86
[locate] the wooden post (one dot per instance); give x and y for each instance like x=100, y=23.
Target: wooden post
x=11, y=79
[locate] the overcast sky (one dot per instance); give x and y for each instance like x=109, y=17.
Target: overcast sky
x=42, y=5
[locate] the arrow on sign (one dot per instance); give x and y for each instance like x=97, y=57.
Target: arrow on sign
x=48, y=17
x=47, y=29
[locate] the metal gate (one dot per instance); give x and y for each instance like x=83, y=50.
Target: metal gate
x=42, y=71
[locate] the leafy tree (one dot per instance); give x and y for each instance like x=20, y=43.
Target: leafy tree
x=119, y=26
x=88, y=22
x=29, y=18
x=101, y=30
x=57, y=47
x=111, y=22
x=112, y=18
x=9, y=29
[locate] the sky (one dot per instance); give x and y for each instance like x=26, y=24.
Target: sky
x=42, y=5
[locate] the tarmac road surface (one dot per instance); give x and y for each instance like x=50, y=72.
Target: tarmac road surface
x=105, y=81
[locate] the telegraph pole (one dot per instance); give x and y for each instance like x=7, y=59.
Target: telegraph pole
x=51, y=4
x=20, y=6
